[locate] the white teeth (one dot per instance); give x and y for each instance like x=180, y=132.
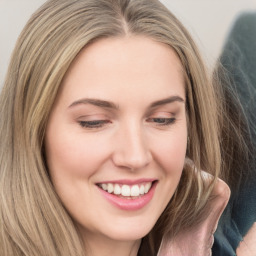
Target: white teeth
x=127, y=190
x=117, y=189
x=135, y=190
x=110, y=188
x=142, y=190
x=147, y=187
x=104, y=186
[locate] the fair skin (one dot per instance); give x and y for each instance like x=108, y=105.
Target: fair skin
x=119, y=120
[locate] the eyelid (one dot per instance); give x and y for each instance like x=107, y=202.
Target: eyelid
x=162, y=114
x=91, y=117
x=93, y=121
x=162, y=121
x=93, y=124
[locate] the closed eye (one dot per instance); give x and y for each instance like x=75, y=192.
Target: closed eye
x=94, y=124
x=160, y=121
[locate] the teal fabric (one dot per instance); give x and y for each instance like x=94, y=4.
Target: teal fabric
x=239, y=59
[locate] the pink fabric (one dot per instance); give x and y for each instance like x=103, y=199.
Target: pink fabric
x=199, y=240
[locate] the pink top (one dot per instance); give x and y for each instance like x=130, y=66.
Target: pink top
x=198, y=241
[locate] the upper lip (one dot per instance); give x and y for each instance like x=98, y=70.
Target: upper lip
x=128, y=181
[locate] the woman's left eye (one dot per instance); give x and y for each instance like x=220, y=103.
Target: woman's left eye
x=162, y=121
x=93, y=124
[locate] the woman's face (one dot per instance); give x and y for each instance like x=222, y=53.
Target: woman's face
x=116, y=137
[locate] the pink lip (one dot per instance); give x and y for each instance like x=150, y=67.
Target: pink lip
x=130, y=204
x=128, y=182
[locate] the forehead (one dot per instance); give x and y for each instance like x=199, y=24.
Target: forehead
x=125, y=66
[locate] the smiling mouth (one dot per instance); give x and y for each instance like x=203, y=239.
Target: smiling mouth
x=126, y=191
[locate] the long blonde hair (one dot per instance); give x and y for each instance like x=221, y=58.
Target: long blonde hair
x=33, y=220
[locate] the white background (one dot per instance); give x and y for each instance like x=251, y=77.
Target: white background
x=208, y=20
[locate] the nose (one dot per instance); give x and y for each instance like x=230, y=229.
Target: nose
x=131, y=148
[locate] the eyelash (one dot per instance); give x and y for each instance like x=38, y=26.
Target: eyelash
x=95, y=124
x=161, y=121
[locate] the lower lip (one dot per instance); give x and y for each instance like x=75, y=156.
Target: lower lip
x=130, y=204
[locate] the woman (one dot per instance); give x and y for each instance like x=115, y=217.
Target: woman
x=107, y=117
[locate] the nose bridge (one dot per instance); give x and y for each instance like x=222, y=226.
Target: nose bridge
x=132, y=149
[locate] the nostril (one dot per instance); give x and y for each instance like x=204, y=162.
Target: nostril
x=131, y=148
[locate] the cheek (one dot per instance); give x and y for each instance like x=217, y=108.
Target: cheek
x=170, y=150
x=170, y=153
x=71, y=155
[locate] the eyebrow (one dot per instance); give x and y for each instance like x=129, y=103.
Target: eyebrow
x=111, y=105
x=167, y=101
x=95, y=102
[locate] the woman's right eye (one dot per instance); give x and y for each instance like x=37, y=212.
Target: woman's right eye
x=94, y=124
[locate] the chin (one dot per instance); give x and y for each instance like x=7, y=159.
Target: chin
x=129, y=232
